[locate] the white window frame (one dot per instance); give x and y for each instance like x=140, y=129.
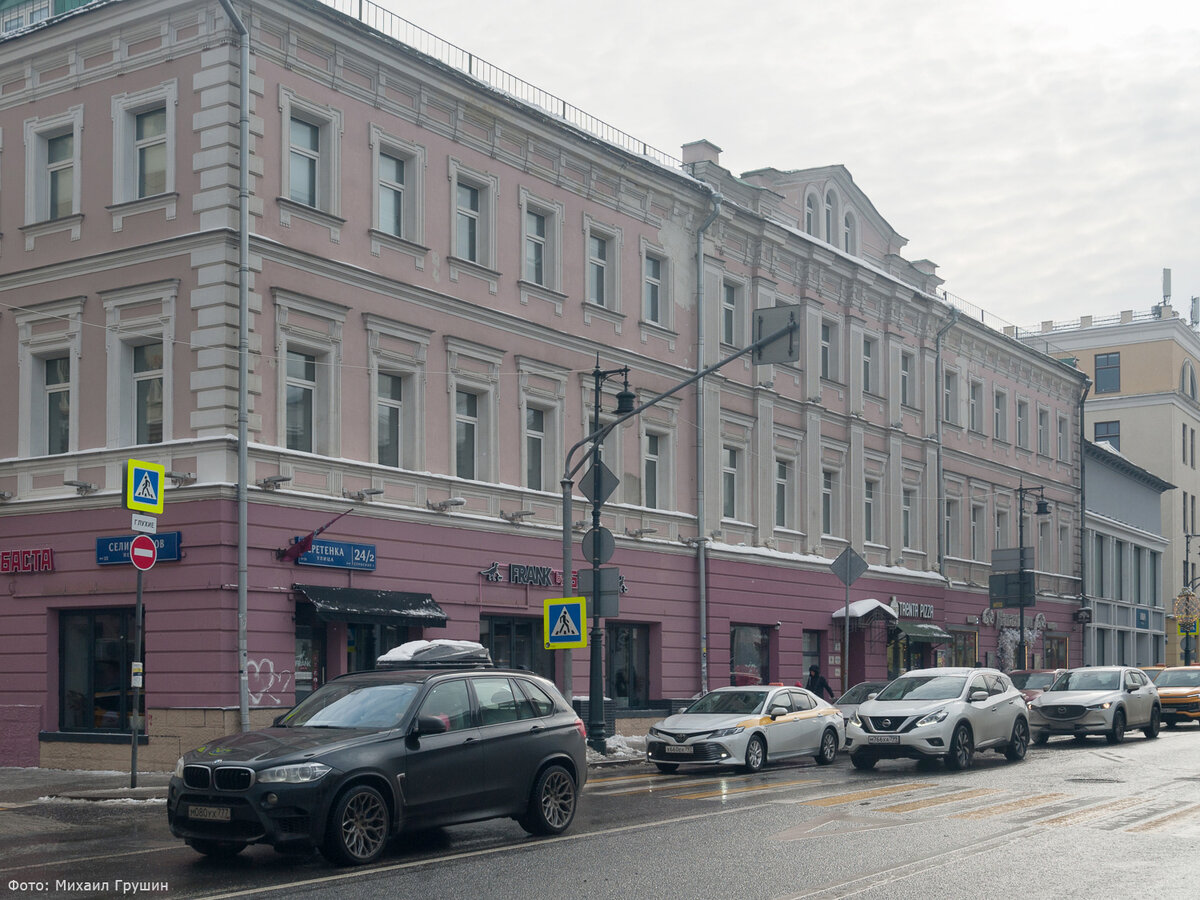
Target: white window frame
x=1064, y=439
x=1000, y=416
x=785, y=493
x=611, y=265
x=950, y=407
x=978, y=531
x=664, y=430
x=412, y=211
x=1043, y=431
x=475, y=369
x=907, y=386
x=328, y=121
x=953, y=524
x=850, y=233
x=811, y=214
x=732, y=481
x=830, y=357
x=46, y=331
x=975, y=406
x=733, y=315
x=551, y=242
x=831, y=216
x=870, y=370
x=133, y=316
x=830, y=501
x=1023, y=424
x=661, y=286
x=38, y=132
x=1003, y=529
x=543, y=387
x=488, y=187
x=908, y=498
x=125, y=111
x=871, y=499
x=652, y=459
x=317, y=331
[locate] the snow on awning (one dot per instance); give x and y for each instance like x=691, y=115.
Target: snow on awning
x=860, y=609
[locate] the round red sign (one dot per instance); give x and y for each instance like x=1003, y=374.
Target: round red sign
x=143, y=552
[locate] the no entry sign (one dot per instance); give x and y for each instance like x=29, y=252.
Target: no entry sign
x=143, y=552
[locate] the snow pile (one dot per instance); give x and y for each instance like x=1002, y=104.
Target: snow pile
x=620, y=747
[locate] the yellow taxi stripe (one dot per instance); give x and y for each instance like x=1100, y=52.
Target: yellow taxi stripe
x=743, y=790
x=934, y=801
x=1093, y=812
x=839, y=799
x=1167, y=819
x=1011, y=806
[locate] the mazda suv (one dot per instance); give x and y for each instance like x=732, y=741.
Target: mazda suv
x=1105, y=700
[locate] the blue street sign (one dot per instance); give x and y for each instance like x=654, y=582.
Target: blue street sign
x=340, y=555
x=113, y=551
x=564, y=622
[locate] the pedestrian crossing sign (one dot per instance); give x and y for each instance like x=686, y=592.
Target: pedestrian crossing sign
x=144, y=487
x=564, y=623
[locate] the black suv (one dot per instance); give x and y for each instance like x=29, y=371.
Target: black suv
x=429, y=743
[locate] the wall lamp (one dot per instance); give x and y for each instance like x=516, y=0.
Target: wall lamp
x=639, y=532
x=444, y=505
x=5, y=495
x=181, y=479
x=82, y=488
x=365, y=494
x=581, y=525
x=516, y=515
x=272, y=482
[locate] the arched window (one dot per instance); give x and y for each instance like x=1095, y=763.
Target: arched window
x=1187, y=380
x=810, y=215
x=830, y=234
x=848, y=243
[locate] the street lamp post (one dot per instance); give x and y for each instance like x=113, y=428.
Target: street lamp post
x=1042, y=509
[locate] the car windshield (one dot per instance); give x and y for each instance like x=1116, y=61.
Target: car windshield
x=1083, y=680
x=924, y=687
x=1032, y=681
x=733, y=703
x=858, y=693
x=354, y=706
x=1178, y=678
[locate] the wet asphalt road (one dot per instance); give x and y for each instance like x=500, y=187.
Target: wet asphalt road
x=1089, y=820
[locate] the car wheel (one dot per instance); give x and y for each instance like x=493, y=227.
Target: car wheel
x=1151, y=730
x=1117, y=734
x=962, y=749
x=829, y=748
x=358, y=827
x=551, y=804
x=668, y=768
x=863, y=761
x=217, y=849
x=1018, y=744
x=756, y=754
x=1042, y=738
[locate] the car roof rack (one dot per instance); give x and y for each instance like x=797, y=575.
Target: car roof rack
x=439, y=656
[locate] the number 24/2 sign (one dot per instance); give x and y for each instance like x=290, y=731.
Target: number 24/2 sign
x=340, y=555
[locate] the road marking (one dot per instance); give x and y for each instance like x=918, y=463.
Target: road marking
x=1092, y=812
x=1168, y=819
x=705, y=795
x=934, y=801
x=839, y=799
x=1011, y=806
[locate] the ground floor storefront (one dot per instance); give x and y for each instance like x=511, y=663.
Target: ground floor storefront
x=70, y=634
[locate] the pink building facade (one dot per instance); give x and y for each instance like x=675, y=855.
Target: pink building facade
x=436, y=270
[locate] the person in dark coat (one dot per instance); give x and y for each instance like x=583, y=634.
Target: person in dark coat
x=817, y=683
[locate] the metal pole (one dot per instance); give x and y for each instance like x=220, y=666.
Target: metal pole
x=596, y=736
x=136, y=678
x=845, y=646
x=1021, y=575
x=568, y=679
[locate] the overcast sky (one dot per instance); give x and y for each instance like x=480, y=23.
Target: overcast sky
x=1045, y=155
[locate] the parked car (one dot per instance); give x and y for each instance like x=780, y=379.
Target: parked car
x=940, y=713
x=1179, y=694
x=1032, y=682
x=434, y=742
x=850, y=700
x=746, y=725
x=1103, y=700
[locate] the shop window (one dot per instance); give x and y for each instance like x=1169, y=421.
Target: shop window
x=516, y=642
x=365, y=643
x=96, y=652
x=629, y=665
x=749, y=656
x=965, y=649
x=810, y=650
x=310, y=651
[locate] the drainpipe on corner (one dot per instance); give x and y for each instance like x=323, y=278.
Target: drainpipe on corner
x=701, y=562
x=1087, y=387
x=939, y=406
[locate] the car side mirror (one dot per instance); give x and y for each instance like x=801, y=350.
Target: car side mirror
x=777, y=711
x=977, y=696
x=1132, y=689
x=872, y=696
x=431, y=725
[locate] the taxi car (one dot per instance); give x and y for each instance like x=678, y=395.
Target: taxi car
x=1179, y=693
x=744, y=725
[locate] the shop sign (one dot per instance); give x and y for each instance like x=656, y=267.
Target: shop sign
x=1143, y=618
x=114, y=551
x=339, y=555
x=907, y=610
x=40, y=559
x=994, y=619
x=534, y=576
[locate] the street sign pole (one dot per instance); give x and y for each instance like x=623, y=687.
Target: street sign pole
x=136, y=678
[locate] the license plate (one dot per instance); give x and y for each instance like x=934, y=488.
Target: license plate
x=883, y=738
x=210, y=813
x=681, y=749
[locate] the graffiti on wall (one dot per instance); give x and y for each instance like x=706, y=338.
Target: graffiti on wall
x=264, y=684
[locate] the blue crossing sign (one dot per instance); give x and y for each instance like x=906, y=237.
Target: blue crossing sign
x=564, y=623
x=144, y=487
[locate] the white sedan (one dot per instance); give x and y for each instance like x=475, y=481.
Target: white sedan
x=746, y=725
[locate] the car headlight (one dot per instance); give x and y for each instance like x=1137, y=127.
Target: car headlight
x=179, y=768
x=934, y=717
x=855, y=720
x=726, y=732
x=297, y=774
x=1101, y=705
x=654, y=732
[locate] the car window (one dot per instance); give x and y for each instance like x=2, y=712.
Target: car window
x=736, y=703
x=541, y=702
x=978, y=683
x=1179, y=678
x=781, y=698
x=802, y=700
x=350, y=705
x=497, y=702
x=449, y=702
x=995, y=684
x=924, y=687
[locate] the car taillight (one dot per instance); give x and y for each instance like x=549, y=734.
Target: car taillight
x=581, y=728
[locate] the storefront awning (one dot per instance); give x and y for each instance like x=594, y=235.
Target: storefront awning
x=922, y=632
x=340, y=604
x=860, y=609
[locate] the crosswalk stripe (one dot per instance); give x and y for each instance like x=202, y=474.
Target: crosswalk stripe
x=1092, y=812
x=1011, y=806
x=935, y=801
x=839, y=799
x=705, y=795
x=1168, y=819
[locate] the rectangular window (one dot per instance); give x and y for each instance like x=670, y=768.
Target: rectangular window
x=597, y=268
x=391, y=195
x=975, y=406
x=1043, y=431
x=1108, y=373
x=390, y=416
x=829, y=488
x=96, y=656
x=810, y=650
x=907, y=501
x=828, y=362
x=628, y=670
x=1064, y=439
x=535, y=247
x=60, y=173
x=466, y=428
x=1000, y=416
x=1098, y=566
x=467, y=219
x=783, y=482
x=1023, y=424
x=652, y=290
x=730, y=313
x=870, y=489
x=749, y=654
x=1118, y=570
x=516, y=642
x=729, y=482
x=301, y=390
x=1108, y=432
x=304, y=162
x=1183, y=443
x=1003, y=529
x=58, y=404
x=650, y=471
x=150, y=140
x=978, y=532
x=535, y=448
x=906, y=385
x=953, y=536
x=950, y=395
x=868, y=384
x=148, y=393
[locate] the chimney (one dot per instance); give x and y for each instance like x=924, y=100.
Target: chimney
x=701, y=151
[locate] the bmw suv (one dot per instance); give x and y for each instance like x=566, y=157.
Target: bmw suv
x=942, y=713
x=1103, y=700
x=435, y=742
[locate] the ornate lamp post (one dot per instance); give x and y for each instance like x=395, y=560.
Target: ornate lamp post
x=1042, y=509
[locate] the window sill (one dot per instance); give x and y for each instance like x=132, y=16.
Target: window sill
x=592, y=310
x=91, y=737
x=166, y=202
x=460, y=266
x=34, y=230
x=662, y=332
x=381, y=239
x=541, y=292
x=289, y=208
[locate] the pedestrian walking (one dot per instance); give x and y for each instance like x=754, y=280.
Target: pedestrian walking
x=817, y=683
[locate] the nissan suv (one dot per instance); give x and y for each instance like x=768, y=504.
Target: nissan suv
x=438, y=740
x=1103, y=700
x=942, y=713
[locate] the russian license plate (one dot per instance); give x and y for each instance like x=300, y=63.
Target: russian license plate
x=883, y=738
x=680, y=749
x=210, y=813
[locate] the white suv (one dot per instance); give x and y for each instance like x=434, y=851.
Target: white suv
x=1097, y=700
x=945, y=713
